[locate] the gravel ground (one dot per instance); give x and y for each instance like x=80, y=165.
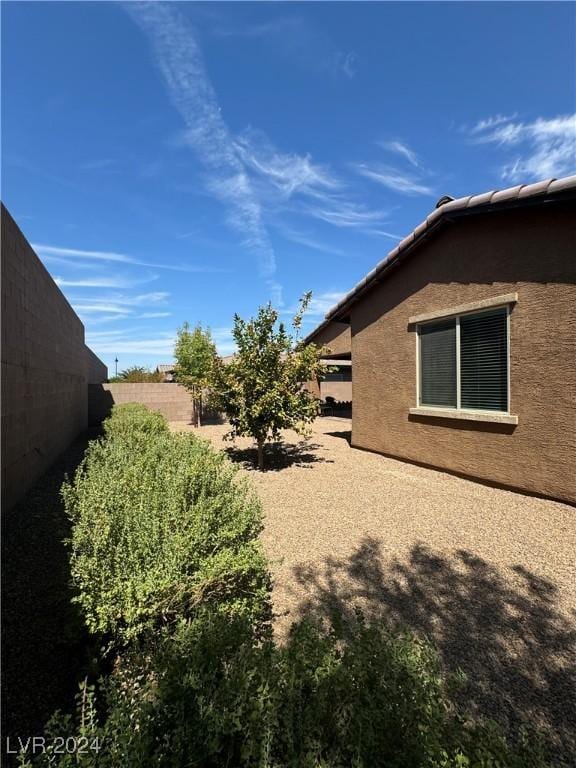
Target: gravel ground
x=488, y=574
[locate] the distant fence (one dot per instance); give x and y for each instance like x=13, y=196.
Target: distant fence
x=171, y=400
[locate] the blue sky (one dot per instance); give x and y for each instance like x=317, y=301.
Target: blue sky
x=186, y=161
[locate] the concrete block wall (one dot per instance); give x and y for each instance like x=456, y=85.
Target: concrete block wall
x=96, y=371
x=44, y=391
x=171, y=400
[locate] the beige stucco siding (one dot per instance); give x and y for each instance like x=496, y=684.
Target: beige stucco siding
x=531, y=252
x=335, y=336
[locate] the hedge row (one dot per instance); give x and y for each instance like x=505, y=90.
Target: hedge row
x=160, y=524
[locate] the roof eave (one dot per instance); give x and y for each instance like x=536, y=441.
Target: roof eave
x=439, y=217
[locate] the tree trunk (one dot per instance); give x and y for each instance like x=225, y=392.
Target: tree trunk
x=199, y=412
x=260, y=454
x=194, y=407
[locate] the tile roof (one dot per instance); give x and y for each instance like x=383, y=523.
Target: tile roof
x=540, y=191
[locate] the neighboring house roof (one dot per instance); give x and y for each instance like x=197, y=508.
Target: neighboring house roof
x=165, y=367
x=448, y=209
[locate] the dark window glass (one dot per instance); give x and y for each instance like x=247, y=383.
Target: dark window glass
x=484, y=361
x=438, y=364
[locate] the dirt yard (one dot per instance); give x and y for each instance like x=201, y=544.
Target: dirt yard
x=488, y=574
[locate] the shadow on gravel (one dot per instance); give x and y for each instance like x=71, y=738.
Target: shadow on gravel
x=44, y=643
x=278, y=456
x=346, y=435
x=503, y=628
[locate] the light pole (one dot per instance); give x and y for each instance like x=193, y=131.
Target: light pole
x=116, y=361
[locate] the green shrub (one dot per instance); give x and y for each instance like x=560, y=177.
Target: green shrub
x=211, y=694
x=158, y=528
x=138, y=374
x=134, y=419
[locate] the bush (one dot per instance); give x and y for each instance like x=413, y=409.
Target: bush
x=159, y=528
x=211, y=694
x=134, y=419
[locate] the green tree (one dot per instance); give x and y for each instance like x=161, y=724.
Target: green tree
x=261, y=389
x=137, y=374
x=195, y=354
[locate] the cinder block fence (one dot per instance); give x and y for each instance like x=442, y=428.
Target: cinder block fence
x=45, y=367
x=171, y=400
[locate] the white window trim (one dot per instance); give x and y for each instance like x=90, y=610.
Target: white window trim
x=462, y=309
x=477, y=308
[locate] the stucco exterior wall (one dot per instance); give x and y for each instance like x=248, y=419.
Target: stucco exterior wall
x=171, y=400
x=336, y=336
x=528, y=251
x=44, y=392
x=341, y=391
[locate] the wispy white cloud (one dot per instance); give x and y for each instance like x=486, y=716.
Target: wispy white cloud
x=279, y=26
x=294, y=37
x=155, y=297
x=298, y=183
x=73, y=253
x=342, y=213
x=402, y=149
x=106, y=308
x=106, y=335
x=103, y=164
x=276, y=293
x=491, y=122
x=146, y=315
x=384, y=233
x=102, y=282
x=161, y=346
x=322, y=302
x=345, y=62
x=89, y=319
x=75, y=256
x=288, y=173
x=132, y=342
x=302, y=238
x=544, y=148
x=406, y=184
x=319, y=305
x=117, y=304
x=180, y=61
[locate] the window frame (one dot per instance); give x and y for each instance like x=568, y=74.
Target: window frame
x=473, y=414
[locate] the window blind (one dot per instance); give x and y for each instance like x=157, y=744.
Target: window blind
x=484, y=361
x=438, y=364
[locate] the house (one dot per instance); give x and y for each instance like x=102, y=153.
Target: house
x=337, y=384
x=167, y=371
x=463, y=341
